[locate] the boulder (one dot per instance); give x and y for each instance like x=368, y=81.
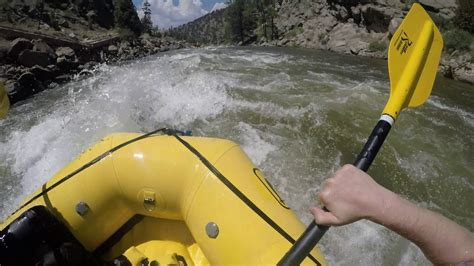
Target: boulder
x=357, y=46
x=87, y=66
x=447, y=71
x=24, y=87
x=283, y=42
x=439, y=4
x=465, y=73
x=44, y=26
x=40, y=46
x=17, y=46
x=12, y=71
x=342, y=35
x=66, y=65
x=393, y=26
x=30, y=58
x=42, y=73
x=147, y=43
x=377, y=18
x=27, y=79
x=9, y=86
x=66, y=52
x=446, y=8
x=112, y=49
x=342, y=13
x=62, y=78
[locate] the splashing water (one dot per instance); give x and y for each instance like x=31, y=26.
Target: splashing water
x=299, y=114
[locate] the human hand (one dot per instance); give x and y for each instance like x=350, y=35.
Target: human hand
x=350, y=195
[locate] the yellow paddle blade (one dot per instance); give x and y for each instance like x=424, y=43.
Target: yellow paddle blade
x=4, y=102
x=413, y=59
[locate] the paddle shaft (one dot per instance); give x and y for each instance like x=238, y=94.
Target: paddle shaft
x=311, y=236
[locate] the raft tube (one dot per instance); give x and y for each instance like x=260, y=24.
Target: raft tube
x=164, y=200
x=4, y=101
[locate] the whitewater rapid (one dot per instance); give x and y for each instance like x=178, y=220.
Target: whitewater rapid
x=299, y=114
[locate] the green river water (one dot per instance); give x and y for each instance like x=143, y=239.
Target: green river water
x=299, y=114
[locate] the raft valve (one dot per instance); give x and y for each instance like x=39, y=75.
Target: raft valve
x=82, y=208
x=212, y=230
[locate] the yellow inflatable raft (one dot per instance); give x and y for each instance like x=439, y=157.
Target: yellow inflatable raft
x=155, y=200
x=4, y=101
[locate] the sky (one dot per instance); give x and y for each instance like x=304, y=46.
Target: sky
x=172, y=13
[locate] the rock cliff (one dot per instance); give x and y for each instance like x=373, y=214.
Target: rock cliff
x=206, y=29
x=363, y=27
x=357, y=27
x=360, y=27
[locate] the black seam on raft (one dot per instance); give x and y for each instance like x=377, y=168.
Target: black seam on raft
x=241, y=195
x=87, y=165
x=117, y=236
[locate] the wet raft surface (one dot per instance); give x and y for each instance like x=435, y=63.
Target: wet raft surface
x=299, y=114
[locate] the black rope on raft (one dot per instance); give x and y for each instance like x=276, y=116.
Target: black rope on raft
x=96, y=160
x=241, y=195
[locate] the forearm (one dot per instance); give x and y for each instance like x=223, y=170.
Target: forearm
x=351, y=195
x=441, y=240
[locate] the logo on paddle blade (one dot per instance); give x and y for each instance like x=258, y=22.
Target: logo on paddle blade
x=403, y=42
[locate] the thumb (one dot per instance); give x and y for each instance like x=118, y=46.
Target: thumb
x=324, y=217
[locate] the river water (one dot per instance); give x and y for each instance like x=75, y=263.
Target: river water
x=299, y=114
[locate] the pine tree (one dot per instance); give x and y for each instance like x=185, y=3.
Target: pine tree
x=243, y=17
x=126, y=16
x=241, y=20
x=465, y=15
x=234, y=26
x=146, y=20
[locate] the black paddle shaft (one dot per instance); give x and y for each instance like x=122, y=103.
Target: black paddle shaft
x=311, y=236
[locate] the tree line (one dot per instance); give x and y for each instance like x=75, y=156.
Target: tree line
x=126, y=17
x=247, y=20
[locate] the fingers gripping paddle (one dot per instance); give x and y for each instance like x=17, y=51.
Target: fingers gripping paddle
x=4, y=102
x=413, y=58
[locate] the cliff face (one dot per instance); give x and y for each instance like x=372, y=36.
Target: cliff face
x=364, y=27
x=344, y=26
x=348, y=26
x=208, y=29
x=357, y=27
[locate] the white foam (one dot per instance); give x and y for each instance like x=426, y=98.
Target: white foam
x=467, y=117
x=253, y=143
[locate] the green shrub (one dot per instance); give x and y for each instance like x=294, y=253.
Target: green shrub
x=465, y=15
x=441, y=22
x=296, y=31
x=457, y=39
x=376, y=46
x=126, y=17
x=323, y=38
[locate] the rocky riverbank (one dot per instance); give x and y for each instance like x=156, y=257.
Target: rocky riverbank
x=30, y=66
x=50, y=41
x=354, y=27
x=363, y=28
